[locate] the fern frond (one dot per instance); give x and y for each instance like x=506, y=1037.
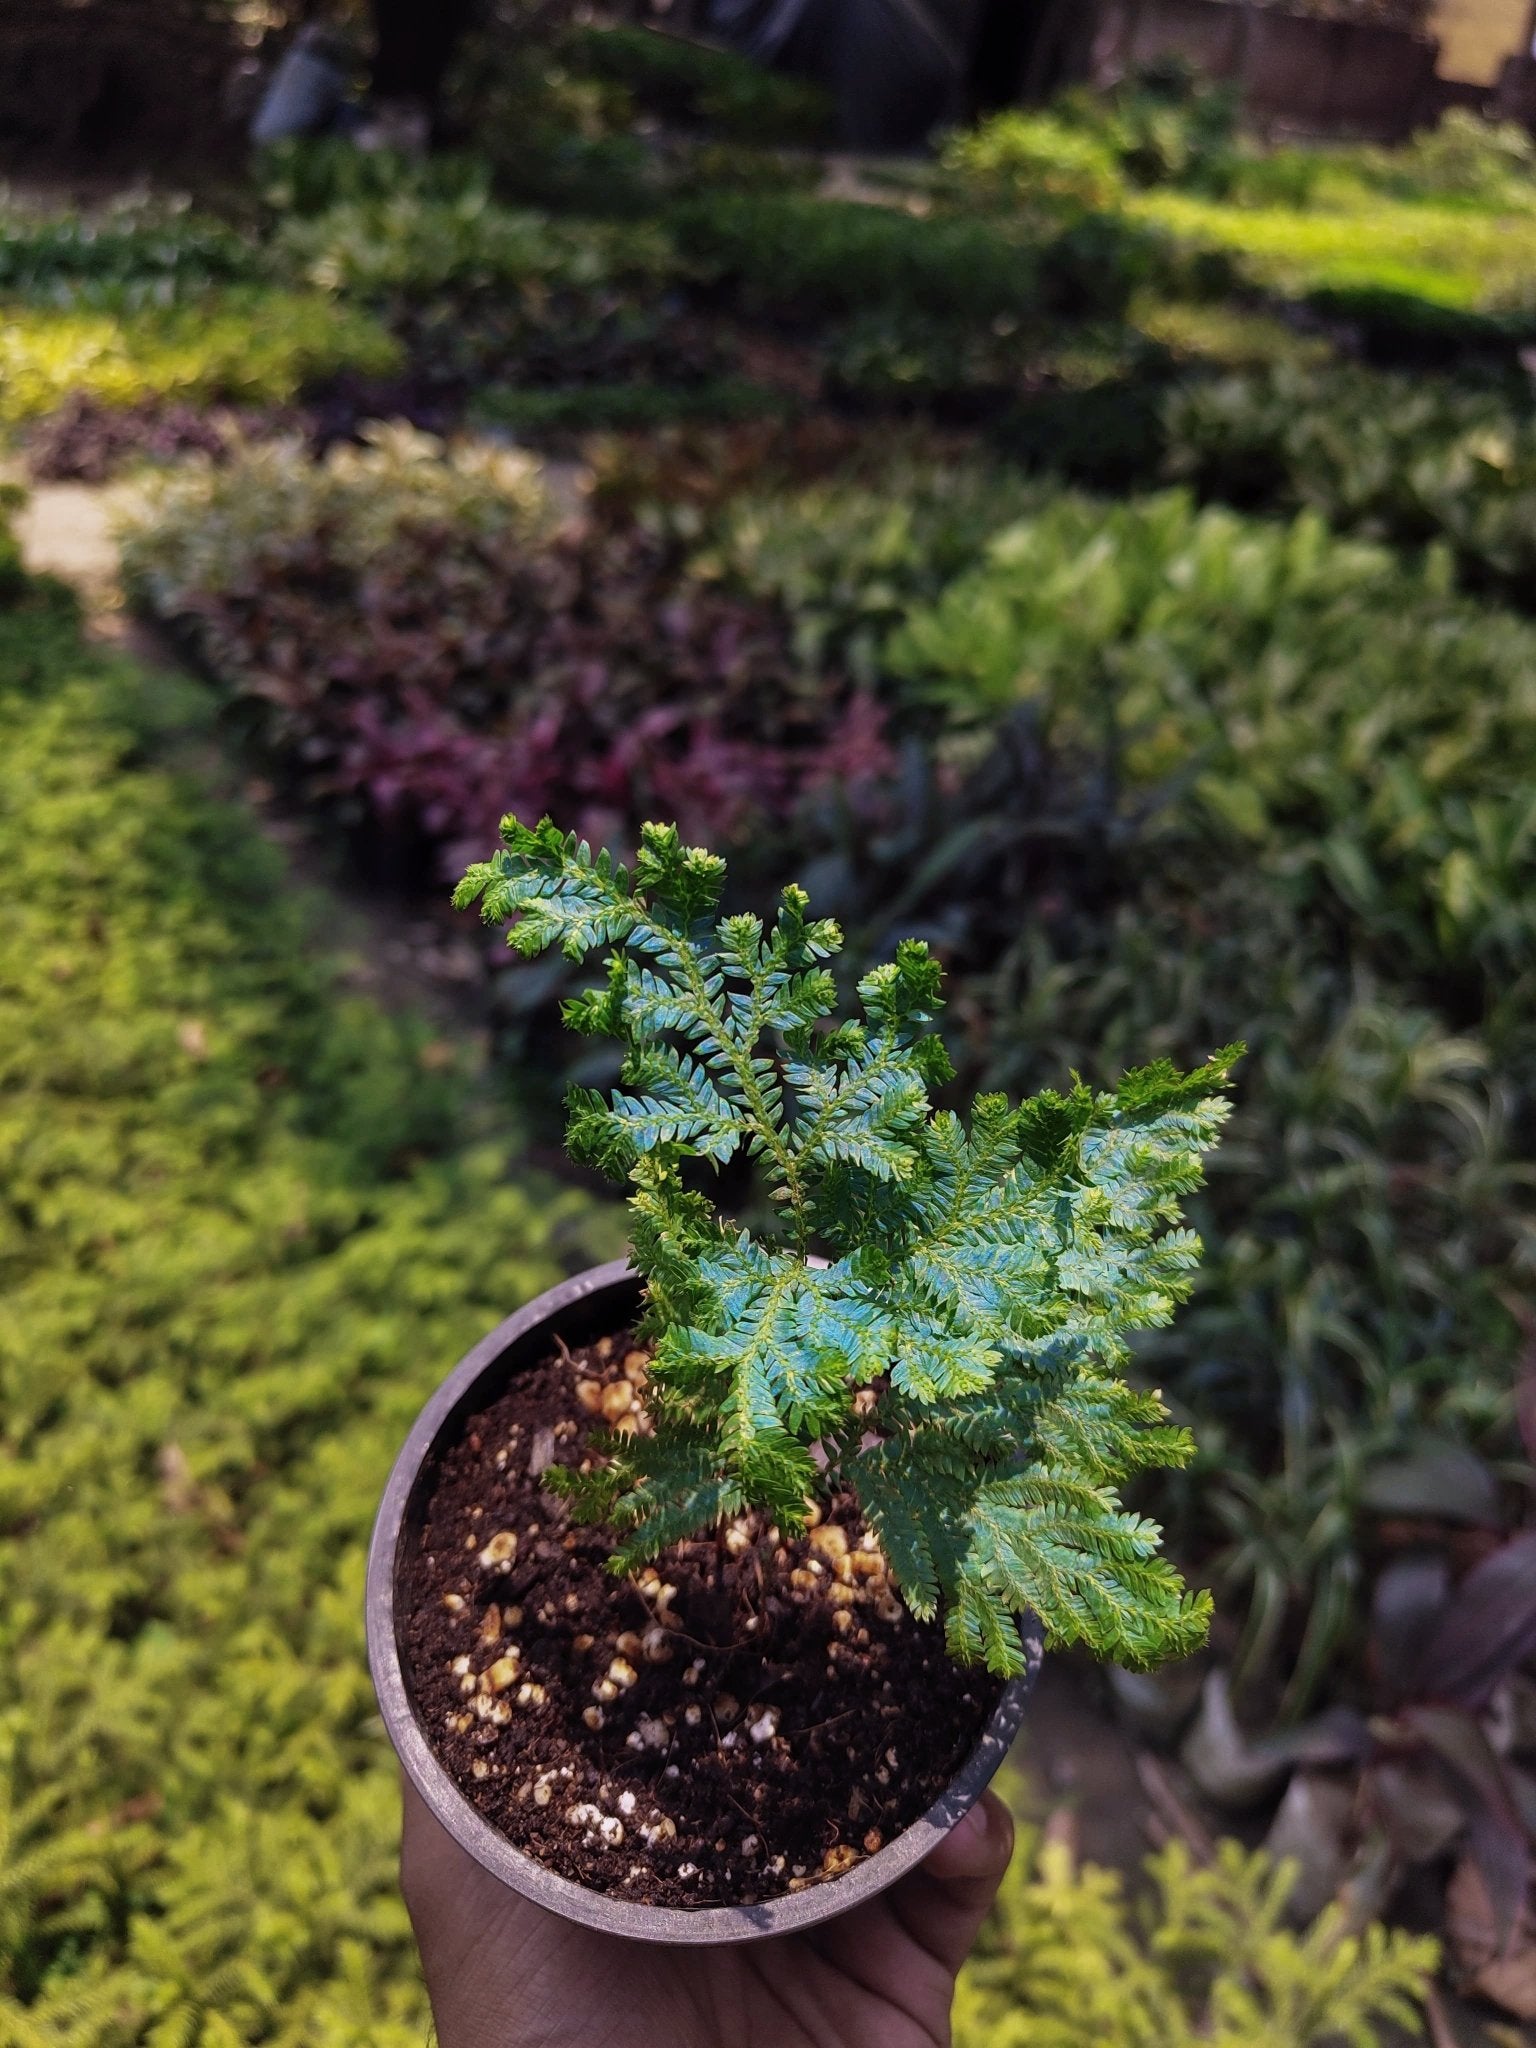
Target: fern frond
x=984, y=1276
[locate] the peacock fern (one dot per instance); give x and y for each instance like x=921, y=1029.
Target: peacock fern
x=956, y=1359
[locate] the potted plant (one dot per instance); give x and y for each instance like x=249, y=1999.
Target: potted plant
x=707, y=1592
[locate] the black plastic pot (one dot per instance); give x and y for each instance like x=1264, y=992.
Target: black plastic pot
x=594, y=1304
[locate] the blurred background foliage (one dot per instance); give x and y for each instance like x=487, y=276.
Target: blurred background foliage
x=1104, y=548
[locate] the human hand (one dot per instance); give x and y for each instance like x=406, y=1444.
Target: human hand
x=504, y=1973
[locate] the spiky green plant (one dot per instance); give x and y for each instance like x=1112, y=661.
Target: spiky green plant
x=956, y=1359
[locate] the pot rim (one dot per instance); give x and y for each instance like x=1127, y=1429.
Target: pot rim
x=705, y=1925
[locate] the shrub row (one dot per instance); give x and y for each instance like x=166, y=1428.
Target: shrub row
x=417, y=642
x=235, y=1257
x=247, y=344
x=1211, y=778
x=1405, y=459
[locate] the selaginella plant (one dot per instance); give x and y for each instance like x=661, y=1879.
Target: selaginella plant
x=938, y=1320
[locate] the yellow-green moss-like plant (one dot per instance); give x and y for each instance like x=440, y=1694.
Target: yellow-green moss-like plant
x=240, y=1231
x=1205, y=1960
x=249, y=344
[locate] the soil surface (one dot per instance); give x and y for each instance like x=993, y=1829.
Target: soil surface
x=750, y=1715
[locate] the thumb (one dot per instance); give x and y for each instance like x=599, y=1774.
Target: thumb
x=959, y=1881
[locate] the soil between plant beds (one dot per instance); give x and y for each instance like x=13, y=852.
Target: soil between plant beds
x=767, y=1723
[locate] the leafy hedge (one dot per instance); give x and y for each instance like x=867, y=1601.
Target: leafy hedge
x=1321, y=706
x=235, y=1257
x=821, y=257
x=1405, y=459
x=136, y=252
x=247, y=344
x=413, y=246
x=1443, y=255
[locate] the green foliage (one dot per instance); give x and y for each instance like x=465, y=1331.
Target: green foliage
x=205, y=531
x=1466, y=157
x=1208, y=778
x=551, y=134
x=302, y=178
x=13, y=582
x=1166, y=124
x=1444, y=255
x=1033, y=159
x=246, y=1223
x=1465, y=161
x=1205, y=1960
x=1206, y=336
x=134, y=253
x=1349, y=745
x=1317, y=699
x=956, y=1359
x=411, y=245
x=1431, y=247
x=849, y=561
x=414, y=639
x=1403, y=459
x=1169, y=123
x=677, y=80
x=246, y=344
x=838, y=256
x=619, y=408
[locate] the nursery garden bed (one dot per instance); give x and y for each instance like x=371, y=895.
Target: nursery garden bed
x=610, y=470
x=307, y=1217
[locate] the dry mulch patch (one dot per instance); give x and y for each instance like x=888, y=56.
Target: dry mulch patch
x=752, y=1714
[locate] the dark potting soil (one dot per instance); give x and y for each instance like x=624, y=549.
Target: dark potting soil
x=751, y=1714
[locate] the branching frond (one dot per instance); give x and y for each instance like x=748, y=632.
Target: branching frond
x=982, y=1278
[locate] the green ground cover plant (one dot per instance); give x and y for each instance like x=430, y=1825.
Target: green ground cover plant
x=850, y=562
x=1163, y=125
x=1447, y=256
x=1464, y=160
x=1405, y=459
x=1266, y=722
x=1206, y=1957
x=620, y=408
x=676, y=80
x=140, y=251
x=821, y=257
x=416, y=247
x=611, y=119
x=1209, y=778
x=249, y=344
x=478, y=291
x=1033, y=159
x=1423, y=250
x=247, y=1219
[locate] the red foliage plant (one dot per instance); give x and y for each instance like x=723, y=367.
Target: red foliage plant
x=458, y=677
